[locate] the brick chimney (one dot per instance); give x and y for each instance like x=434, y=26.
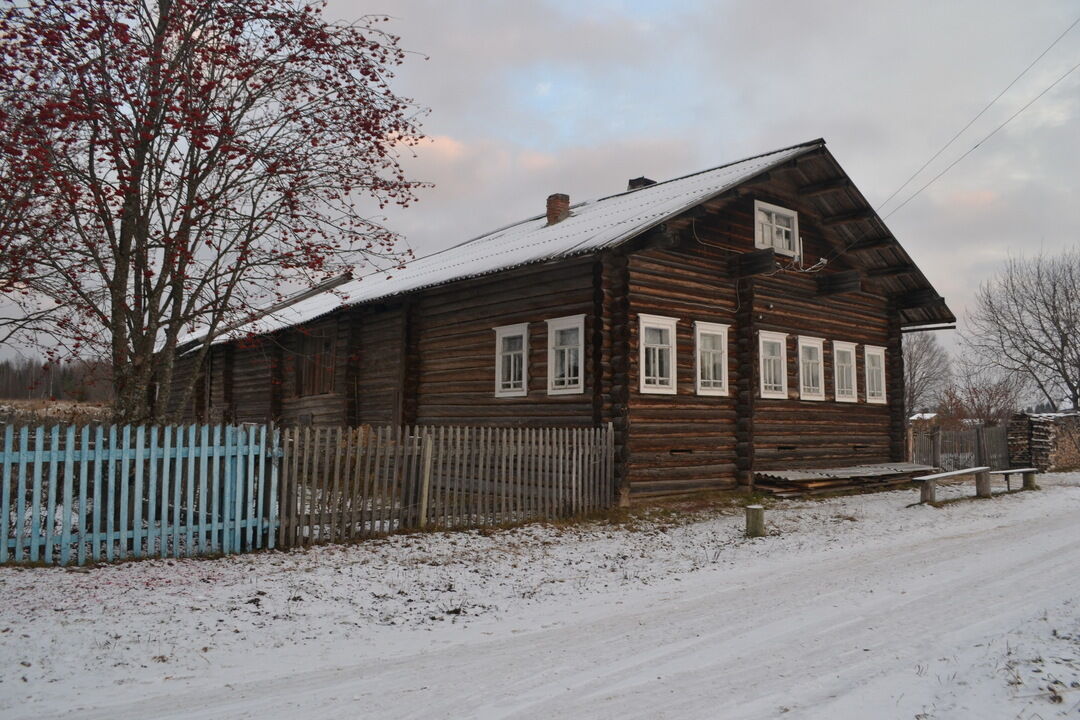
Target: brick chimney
x=558, y=208
x=639, y=182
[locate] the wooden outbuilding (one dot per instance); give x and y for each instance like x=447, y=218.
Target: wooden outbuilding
x=733, y=321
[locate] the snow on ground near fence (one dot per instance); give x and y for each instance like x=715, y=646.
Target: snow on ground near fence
x=854, y=607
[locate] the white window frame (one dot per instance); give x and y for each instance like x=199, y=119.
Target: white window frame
x=763, y=336
x=759, y=241
x=506, y=331
x=819, y=344
x=553, y=326
x=664, y=323
x=708, y=328
x=869, y=350
x=837, y=348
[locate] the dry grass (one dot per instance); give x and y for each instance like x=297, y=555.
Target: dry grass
x=52, y=411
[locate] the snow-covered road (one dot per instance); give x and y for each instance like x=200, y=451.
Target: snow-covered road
x=859, y=608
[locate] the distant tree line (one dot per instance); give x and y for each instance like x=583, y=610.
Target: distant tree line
x=75, y=380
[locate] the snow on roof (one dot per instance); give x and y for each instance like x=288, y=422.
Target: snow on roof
x=591, y=226
x=923, y=416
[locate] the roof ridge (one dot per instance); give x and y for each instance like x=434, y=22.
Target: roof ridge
x=489, y=233
x=808, y=143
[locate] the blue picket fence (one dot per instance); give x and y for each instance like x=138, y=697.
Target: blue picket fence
x=76, y=494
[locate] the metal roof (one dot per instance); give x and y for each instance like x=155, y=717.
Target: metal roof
x=592, y=225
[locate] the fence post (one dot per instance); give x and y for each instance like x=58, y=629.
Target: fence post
x=935, y=452
x=980, y=446
x=425, y=479
x=909, y=438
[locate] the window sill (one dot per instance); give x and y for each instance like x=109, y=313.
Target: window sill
x=511, y=393
x=774, y=395
x=566, y=391
x=713, y=392
x=847, y=399
x=652, y=390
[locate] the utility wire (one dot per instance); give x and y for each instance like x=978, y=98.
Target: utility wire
x=977, y=116
x=988, y=136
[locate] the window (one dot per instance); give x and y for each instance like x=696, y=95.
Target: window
x=315, y=364
x=710, y=342
x=511, y=360
x=565, y=355
x=811, y=368
x=844, y=372
x=776, y=227
x=657, y=354
x=875, y=374
x=772, y=351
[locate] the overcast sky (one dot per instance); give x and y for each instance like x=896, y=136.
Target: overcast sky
x=531, y=98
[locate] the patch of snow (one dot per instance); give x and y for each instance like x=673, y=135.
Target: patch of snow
x=852, y=607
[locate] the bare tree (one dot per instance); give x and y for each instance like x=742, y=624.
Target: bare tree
x=1026, y=322
x=977, y=392
x=926, y=371
x=166, y=166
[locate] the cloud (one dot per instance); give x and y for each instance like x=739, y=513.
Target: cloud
x=558, y=96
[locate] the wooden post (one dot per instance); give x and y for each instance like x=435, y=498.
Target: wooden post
x=980, y=446
x=910, y=444
x=425, y=479
x=755, y=521
x=928, y=492
x=935, y=453
x=1029, y=481
x=982, y=484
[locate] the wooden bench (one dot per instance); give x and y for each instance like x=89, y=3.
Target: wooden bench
x=1027, y=473
x=928, y=492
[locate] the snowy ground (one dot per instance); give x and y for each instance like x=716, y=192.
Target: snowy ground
x=858, y=607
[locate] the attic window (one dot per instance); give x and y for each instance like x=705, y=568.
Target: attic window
x=776, y=227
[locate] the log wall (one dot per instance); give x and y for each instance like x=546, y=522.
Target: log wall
x=452, y=341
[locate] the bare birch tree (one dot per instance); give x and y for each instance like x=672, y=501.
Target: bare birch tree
x=1026, y=322
x=926, y=371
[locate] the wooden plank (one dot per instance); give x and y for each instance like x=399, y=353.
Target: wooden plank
x=217, y=531
x=153, y=528
x=189, y=482
x=6, y=527
x=124, y=479
x=284, y=478
x=204, y=502
x=273, y=513
x=166, y=475
x=84, y=468
x=35, y=501
x=259, y=511
x=110, y=504
x=136, y=509
x=178, y=479
x=49, y=528
x=239, y=484
x=66, y=500
x=335, y=510
x=99, y=447
x=250, y=506
x=20, y=493
x=425, y=478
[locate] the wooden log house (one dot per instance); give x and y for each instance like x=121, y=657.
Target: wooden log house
x=742, y=319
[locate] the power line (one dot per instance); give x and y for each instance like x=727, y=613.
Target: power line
x=977, y=116
x=988, y=136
